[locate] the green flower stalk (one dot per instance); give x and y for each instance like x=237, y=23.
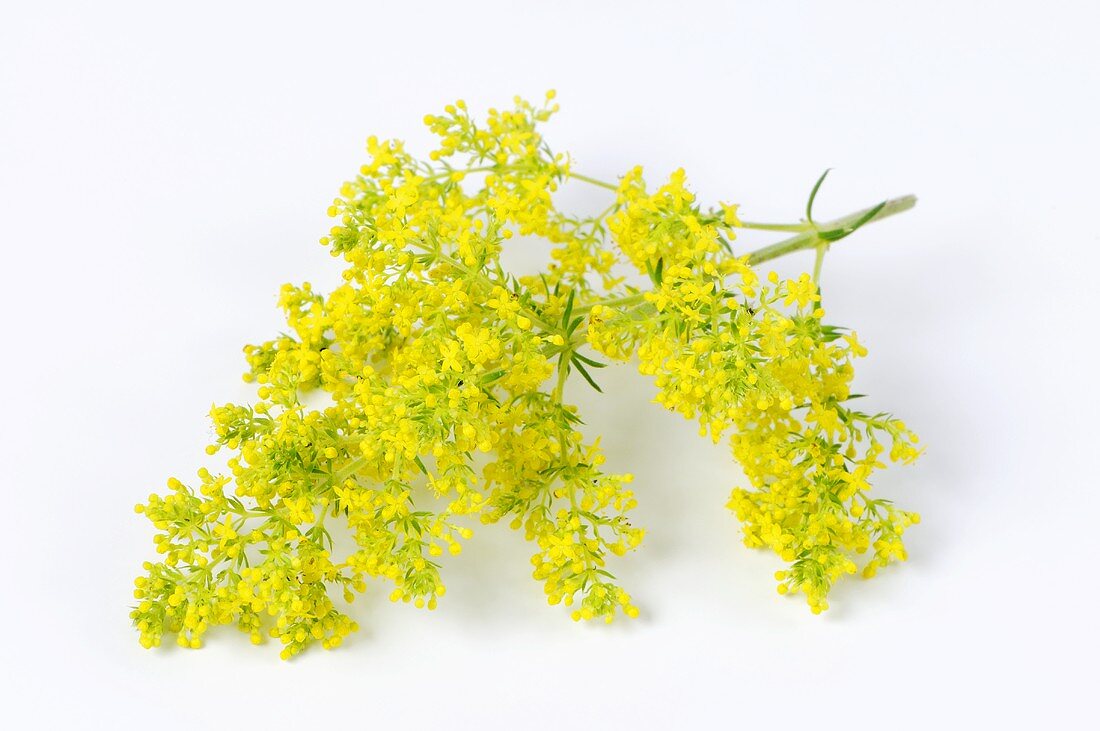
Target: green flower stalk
x=430, y=352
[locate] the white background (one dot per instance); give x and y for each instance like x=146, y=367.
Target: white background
x=163, y=169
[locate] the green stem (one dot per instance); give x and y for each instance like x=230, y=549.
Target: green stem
x=349, y=469
x=819, y=257
x=592, y=181
x=559, y=385
x=796, y=227
x=613, y=302
x=811, y=239
x=464, y=171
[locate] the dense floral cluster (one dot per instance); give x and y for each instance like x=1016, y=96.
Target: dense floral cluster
x=437, y=384
x=737, y=353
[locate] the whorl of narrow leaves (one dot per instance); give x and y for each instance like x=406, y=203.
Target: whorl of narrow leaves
x=430, y=352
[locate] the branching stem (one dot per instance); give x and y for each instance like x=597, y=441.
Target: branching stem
x=812, y=238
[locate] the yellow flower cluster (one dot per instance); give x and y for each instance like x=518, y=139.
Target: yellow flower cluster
x=430, y=354
x=737, y=353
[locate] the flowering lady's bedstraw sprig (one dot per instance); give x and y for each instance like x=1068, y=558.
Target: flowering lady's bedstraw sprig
x=431, y=353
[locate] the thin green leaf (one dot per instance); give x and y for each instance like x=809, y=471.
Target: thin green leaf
x=813, y=195
x=492, y=376
x=586, y=376
x=570, y=417
x=838, y=233
x=568, y=308
x=589, y=361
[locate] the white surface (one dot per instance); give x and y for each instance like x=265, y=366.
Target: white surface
x=163, y=171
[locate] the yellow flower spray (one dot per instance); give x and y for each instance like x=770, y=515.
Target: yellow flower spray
x=431, y=352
